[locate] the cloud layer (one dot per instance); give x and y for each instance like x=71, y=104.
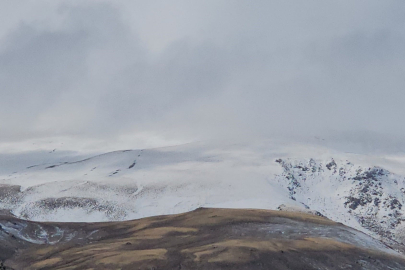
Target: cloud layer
x=184, y=70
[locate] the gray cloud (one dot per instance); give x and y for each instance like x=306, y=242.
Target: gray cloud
x=210, y=69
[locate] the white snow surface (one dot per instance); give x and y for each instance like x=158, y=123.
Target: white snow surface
x=132, y=184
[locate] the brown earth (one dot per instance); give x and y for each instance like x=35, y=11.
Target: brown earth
x=206, y=239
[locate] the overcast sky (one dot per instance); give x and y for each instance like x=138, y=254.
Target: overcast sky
x=161, y=72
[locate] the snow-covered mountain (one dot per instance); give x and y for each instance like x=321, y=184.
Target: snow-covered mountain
x=365, y=192
x=366, y=198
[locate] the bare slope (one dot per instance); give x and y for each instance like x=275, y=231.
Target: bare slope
x=201, y=239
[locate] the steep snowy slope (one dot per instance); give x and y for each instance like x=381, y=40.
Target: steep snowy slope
x=366, y=198
x=361, y=191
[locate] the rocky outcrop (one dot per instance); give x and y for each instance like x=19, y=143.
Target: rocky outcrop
x=373, y=196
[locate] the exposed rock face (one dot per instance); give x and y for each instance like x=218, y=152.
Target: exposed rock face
x=12, y=198
x=87, y=204
x=373, y=197
x=202, y=239
x=9, y=195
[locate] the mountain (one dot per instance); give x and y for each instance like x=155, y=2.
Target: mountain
x=202, y=239
x=367, y=198
x=363, y=191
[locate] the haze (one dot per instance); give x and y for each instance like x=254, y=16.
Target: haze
x=156, y=73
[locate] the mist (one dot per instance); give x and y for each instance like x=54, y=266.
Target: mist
x=161, y=73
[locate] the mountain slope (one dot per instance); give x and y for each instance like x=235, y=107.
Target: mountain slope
x=362, y=191
x=367, y=198
x=202, y=239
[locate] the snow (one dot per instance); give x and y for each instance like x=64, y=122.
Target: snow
x=177, y=179
x=163, y=181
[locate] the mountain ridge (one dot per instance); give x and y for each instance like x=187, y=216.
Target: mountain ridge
x=122, y=185
x=205, y=238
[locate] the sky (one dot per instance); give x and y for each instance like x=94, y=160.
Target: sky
x=134, y=74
